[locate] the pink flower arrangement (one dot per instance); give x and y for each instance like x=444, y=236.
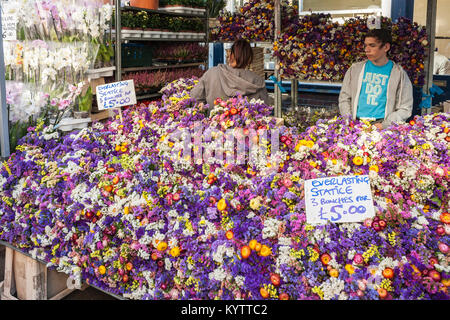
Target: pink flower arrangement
x=155, y=80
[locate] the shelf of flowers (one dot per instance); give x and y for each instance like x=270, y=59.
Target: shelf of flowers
x=149, y=84
x=144, y=25
x=163, y=65
x=171, y=11
x=121, y=205
x=161, y=35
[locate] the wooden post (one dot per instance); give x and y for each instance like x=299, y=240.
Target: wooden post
x=429, y=62
x=294, y=93
x=276, y=90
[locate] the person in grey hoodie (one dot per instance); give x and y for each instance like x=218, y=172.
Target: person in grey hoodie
x=225, y=81
x=377, y=89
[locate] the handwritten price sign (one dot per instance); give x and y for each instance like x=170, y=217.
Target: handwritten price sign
x=9, y=22
x=338, y=199
x=116, y=95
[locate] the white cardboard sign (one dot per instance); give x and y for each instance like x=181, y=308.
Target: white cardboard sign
x=9, y=22
x=116, y=95
x=338, y=199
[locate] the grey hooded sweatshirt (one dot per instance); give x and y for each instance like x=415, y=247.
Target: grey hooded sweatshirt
x=224, y=82
x=399, y=96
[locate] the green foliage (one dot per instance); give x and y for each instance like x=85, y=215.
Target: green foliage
x=18, y=130
x=214, y=7
x=85, y=102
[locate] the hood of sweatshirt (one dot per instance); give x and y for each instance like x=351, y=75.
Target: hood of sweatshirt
x=244, y=81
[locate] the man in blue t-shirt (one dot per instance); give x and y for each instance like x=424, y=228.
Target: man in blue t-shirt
x=377, y=89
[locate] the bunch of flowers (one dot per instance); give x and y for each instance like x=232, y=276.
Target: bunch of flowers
x=179, y=85
x=302, y=117
x=53, y=70
x=254, y=21
x=184, y=52
x=47, y=63
x=318, y=48
x=67, y=21
x=120, y=206
x=154, y=81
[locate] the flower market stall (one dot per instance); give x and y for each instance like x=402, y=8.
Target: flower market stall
x=121, y=206
x=314, y=48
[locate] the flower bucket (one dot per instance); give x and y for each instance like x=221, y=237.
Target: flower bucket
x=146, y=4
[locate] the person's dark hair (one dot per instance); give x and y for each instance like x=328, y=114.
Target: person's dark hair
x=382, y=35
x=242, y=52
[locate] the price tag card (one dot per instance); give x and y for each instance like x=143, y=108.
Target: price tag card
x=9, y=22
x=338, y=199
x=116, y=95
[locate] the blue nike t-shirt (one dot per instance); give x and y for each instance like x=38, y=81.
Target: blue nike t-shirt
x=372, y=98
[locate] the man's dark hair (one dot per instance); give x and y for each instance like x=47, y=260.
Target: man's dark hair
x=242, y=52
x=382, y=35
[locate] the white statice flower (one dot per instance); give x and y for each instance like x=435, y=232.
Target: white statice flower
x=80, y=195
x=333, y=262
x=136, y=200
x=2, y=182
x=284, y=257
x=335, y=167
x=133, y=220
x=145, y=240
x=350, y=228
x=209, y=230
x=219, y=274
x=387, y=263
x=221, y=251
x=239, y=280
x=351, y=254
x=443, y=265
x=318, y=235
x=271, y=227
x=18, y=188
x=72, y=168
x=167, y=264
x=172, y=213
x=136, y=294
x=333, y=288
x=149, y=278
x=420, y=222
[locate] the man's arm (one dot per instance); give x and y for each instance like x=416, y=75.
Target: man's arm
x=403, y=109
x=345, y=95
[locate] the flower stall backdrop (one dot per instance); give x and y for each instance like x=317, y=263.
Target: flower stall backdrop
x=314, y=47
x=118, y=206
x=317, y=48
x=254, y=21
